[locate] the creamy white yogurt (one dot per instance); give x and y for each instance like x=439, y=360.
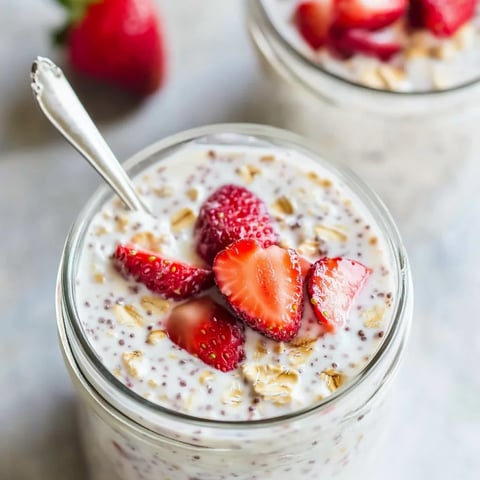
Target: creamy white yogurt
x=118, y=316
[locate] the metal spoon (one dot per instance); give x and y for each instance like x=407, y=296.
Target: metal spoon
x=62, y=107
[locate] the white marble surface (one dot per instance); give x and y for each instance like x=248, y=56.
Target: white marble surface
x=435, y=431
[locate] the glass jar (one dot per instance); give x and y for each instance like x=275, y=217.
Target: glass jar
x=126, y=437
x=403, y=144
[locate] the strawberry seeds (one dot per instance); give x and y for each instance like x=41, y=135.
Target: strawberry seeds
x=258, y=268
x=393, y=45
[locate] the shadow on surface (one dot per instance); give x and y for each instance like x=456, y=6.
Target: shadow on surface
x=25, y=125
x=252, y=108
x=45, y=448
x=105, y=103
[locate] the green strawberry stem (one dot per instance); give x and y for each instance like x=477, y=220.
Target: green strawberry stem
x=76, y=10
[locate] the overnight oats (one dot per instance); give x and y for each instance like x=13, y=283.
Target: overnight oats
x=390, y=87
x=248, y=328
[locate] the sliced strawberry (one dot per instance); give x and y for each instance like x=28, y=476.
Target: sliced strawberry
x=313, y=20
x=368, y=14
x=372, y=44
x=305, y=266
x=442, y=17
x=208, y=331
x=416, y=14
x=170, y=278
x=263, y=286
x=332, y=286
x=228, y=214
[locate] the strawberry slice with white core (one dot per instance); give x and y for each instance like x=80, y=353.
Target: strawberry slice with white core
x=264, y=286
x=380, y=44
x=368, y=14
x=305, y=266
x=170, y=278
x=208, y=331
x=332, y=286
x=313, y=20
x=442, y=17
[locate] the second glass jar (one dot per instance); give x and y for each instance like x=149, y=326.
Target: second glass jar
x=405, y=145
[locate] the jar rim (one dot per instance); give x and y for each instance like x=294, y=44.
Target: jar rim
x=272, y=135
x=299, y=56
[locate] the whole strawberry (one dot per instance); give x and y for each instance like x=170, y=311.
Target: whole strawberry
x=117, y=41
x=232, y=213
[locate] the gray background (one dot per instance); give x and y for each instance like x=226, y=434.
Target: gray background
x=213, y=77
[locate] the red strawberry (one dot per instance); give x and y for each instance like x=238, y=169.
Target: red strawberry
x=372, y=44
x=208, y=331
x=313, y=20
x=416, y=13
x=305, y=266
x=442, y=17
x=332, y=286
x=368, y=14
x=118, y=41
x=170, y=278
x=228, y=214
x=264, y=286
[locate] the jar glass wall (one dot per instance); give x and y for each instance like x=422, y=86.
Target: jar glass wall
x=127, y=437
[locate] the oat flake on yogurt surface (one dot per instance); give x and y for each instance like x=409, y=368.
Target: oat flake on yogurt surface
x=314, y=213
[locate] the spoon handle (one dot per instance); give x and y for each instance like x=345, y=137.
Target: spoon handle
x=62, y=107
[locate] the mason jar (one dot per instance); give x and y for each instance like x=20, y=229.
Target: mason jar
x=404, y=144
x=127, y=437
